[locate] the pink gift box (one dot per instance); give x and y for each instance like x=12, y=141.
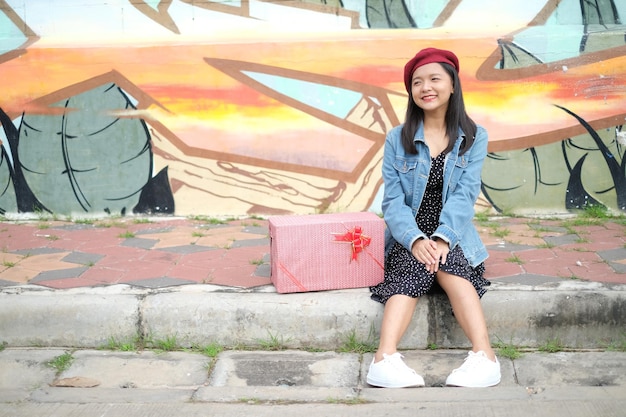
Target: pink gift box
x=326, y=251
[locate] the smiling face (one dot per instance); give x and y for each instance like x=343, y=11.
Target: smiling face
x=431, y=87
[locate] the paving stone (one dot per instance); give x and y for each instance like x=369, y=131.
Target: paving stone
x=613, y=254
x=140, y=369
x=58, y=274
x=160, y=282
x=561, y=240
x=545, y=228
x=257, y=230
x=286, y=368
x=250, y=242
x=38, y=251
x=572, y=369
x=82, y=258
x=618, y=267
x=26, y=368
x=263, y=270
x=530, y=279
x=135, y=242
x=154, y=231
x=510, y=247
x=188, y=249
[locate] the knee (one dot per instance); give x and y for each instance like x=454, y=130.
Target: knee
x=451, y=282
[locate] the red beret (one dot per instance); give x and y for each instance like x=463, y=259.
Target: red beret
x=428, y=56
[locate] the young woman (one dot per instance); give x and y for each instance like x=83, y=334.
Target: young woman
x=432, y=173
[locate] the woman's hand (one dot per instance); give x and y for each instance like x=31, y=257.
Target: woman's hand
x=430, y=252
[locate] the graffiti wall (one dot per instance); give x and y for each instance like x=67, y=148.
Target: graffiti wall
x=239, y=107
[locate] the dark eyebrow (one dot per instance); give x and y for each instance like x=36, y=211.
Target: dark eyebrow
x=431, y=75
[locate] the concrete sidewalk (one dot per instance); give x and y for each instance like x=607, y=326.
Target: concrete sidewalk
x=263, y=383
x=202, y=281
x=79, y=291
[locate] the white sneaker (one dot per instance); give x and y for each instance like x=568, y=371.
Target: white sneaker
x=392, y=372
x=478, y=371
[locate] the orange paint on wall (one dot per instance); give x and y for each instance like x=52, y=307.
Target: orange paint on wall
x=204, y=98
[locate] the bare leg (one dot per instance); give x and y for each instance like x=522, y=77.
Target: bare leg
x=468, y=311
x=397, y=316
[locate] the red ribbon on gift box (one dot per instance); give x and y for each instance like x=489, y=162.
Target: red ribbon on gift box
x=356, y=237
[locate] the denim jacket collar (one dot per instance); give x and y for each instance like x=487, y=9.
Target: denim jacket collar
x=419, y=137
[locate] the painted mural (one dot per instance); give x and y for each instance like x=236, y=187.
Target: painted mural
x=240, y=107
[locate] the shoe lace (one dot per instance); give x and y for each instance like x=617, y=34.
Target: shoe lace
x=396, y=361
x=472, y=361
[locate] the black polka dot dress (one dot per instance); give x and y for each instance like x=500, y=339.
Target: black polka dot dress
x=406, y=275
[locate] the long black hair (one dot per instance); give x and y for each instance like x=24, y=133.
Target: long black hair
x=456, y=117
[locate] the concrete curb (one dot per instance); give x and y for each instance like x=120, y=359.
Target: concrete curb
x=577, y=314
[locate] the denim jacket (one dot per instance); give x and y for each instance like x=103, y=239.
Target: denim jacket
x=405, y=177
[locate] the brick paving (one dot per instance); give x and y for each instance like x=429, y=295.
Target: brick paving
x=165, y=252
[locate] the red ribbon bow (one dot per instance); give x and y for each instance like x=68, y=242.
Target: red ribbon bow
x=356, y=237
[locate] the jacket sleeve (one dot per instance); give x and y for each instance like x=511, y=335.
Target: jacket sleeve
x=458, y=209
x=399, y=216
